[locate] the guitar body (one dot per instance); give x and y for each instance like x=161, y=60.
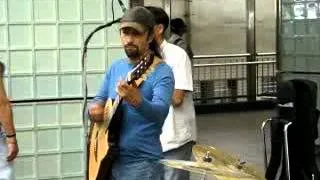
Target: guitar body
x=102, y=145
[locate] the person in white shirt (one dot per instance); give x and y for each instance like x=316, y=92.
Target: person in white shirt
x=179, y=129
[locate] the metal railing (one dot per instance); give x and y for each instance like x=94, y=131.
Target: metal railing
x=223, y=78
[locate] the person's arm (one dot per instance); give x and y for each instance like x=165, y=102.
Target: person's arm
x=183, y=79
x=6, y=119
x=95, y=110
x=158, y=107
x=6, y=116
x=178, y=97
x=103, y=93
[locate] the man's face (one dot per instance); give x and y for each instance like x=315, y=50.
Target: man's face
x=135, y=43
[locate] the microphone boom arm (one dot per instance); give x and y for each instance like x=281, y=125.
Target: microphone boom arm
x=85, y=89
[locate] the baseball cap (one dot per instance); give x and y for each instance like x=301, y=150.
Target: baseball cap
x=139, y=18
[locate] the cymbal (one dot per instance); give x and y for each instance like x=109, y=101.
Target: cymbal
x=206, y=168
x=203, y=153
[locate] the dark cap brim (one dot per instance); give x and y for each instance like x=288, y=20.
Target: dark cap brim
x=138, y=27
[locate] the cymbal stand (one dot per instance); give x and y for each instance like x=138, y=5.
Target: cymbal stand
x=208, y=159
x=204, y=175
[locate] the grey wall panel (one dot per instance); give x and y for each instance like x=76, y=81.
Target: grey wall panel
x=219, y=27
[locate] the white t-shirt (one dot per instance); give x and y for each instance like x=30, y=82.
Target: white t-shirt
x=180, y=124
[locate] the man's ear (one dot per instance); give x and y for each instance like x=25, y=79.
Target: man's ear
x=161, y=28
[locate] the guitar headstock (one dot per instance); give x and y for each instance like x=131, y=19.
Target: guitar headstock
x=140, y=68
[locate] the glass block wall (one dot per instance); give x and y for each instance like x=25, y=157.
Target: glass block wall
x=300, y=36
x=300, y=40
x=41, y=43
x=51, y=143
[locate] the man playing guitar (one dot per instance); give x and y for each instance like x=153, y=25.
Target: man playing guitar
x=145, y=105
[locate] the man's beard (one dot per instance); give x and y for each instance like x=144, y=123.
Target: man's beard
x=132, y=51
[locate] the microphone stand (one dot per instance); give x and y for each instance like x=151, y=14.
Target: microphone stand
x=85, y=90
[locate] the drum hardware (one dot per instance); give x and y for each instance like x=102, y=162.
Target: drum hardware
x=212, y=161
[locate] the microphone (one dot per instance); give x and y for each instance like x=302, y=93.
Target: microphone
x=124, y=9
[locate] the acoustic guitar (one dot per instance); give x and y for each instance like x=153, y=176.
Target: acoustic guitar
x=104, y=136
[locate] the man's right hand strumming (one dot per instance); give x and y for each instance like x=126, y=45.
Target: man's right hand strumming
x=96, y=112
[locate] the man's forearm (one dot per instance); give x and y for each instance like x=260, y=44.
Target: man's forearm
x=177, y=101
x=153, y=110
x=7, y=117
x=7, y=123
x=178, y=97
